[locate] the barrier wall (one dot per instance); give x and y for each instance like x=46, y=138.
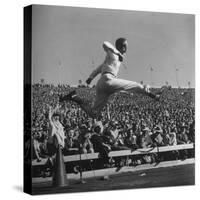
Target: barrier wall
x=92, y=156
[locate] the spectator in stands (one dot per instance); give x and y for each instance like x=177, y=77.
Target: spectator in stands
x=172, y=137
x=165, y=136
x=172, y=142
x=124, y=109
x=182, y=137
x=76, y=134
x=114, y=139
x=85, y=143
x=191, y=132
x=36, y=147
x=100, y=145
x=157, y=136
x=145, y=140
x=98, y=141
x=71, y=143
x=131, y=140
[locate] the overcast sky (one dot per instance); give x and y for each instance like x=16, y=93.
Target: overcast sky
x=67, y=44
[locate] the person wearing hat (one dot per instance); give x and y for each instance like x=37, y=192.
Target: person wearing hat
x=108, y=84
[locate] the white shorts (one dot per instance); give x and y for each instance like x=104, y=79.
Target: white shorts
x=109, y=84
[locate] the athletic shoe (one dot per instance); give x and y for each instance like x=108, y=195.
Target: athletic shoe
x=157, y=97
x=67, y=97
x=150, y=94
x=147, y=88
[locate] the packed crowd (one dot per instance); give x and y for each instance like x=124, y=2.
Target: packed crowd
x=129, y=121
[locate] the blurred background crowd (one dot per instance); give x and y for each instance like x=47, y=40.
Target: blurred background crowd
x=129, y=121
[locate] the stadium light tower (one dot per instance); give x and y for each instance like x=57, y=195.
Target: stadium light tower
x=177, y=70
x=80, y=82
x=59, y=71
x=151, y=75
x=176, y=73
x=42, y=81
x=189, y=84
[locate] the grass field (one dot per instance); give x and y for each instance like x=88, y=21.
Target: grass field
x=158, y=177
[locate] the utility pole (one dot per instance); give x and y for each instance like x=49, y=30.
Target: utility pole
x=151, y=75
x=189, y=84
x=177, y=77
x=59, y=70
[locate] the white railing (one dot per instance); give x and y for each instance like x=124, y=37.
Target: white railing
x=92, y=156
